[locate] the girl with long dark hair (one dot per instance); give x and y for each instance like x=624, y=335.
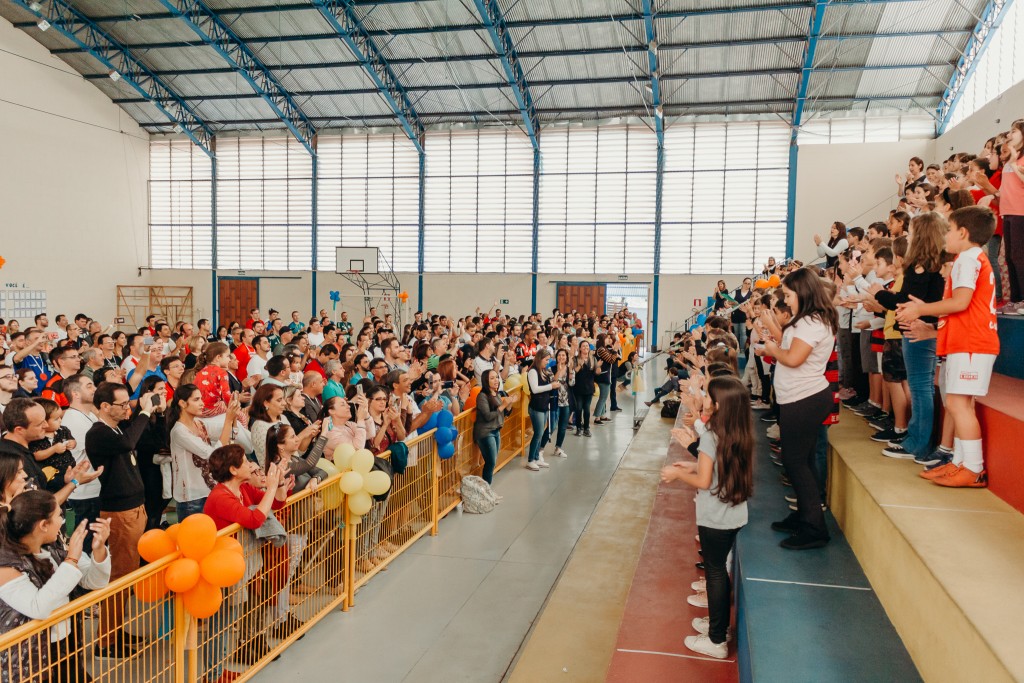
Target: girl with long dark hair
x=836, y=245
x=584, y=371
x=558, y=406
x=490, y=417
x=805, y=400
x=724, y=478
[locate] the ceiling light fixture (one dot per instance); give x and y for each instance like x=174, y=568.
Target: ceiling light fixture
x=43, y=24
x=35, y=6
x=114, y=75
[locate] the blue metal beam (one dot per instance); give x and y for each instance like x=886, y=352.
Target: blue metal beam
x=213, y=31
x=342, y=17
x=535, y=255
x=980, y=38
x=659, y=129
x=421, y=235
x=309, y=37
x=494, y=22
x=123, y=65
x=813, y=34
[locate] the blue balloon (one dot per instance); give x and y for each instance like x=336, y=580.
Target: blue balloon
x=701, y=319
x=445, y=418
x=442, y=436
x=446, y=451
x=430, y=424
x=693, y=328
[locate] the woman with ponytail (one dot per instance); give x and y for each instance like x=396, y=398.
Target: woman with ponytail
x=37, y=576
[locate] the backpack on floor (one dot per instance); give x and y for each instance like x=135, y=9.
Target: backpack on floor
x=670, y=408
x=477, y=495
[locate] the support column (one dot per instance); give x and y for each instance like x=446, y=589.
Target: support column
x=659, y=184
x=536, y=229
x=791, y=198
x=215, y=291
x=422, y=227
x=315, y=232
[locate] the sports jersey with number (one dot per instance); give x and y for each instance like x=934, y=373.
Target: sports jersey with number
x=974, y=329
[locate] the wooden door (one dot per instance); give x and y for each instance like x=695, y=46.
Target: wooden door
x=236, y=297
x=582, y=298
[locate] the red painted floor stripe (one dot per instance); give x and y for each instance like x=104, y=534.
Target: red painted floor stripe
x=657, y=616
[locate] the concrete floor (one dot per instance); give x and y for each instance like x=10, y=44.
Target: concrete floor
x=459, y=606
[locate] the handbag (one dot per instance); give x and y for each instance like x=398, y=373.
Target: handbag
x=670, y=408
x=399, y=457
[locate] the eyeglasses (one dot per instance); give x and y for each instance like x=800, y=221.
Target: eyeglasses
x=380, y=398
x=123, y=404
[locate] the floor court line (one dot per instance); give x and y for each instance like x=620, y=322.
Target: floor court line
x=676, y=654
x=935, y=509
x=804, y=583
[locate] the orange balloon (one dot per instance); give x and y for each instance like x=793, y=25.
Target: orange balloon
x=151, y=588
x=774, y=281
x=471, y=401
x=173, y=531
x=203, y=601
x=197, y=537
x=156, y=543
x=223, y=568
x=227, y=543
x=182, y=575
x=761, y=284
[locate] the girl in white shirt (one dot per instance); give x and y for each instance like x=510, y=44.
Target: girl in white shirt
x=37, y=575
x=805, y=400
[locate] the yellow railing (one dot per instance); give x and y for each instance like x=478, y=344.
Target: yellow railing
x=321, y=562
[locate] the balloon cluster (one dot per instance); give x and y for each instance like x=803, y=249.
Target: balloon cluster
x=359, y=481
x=517, y=382
x=403, y=296
x=443, y=421
x=773, y=281
x=207, y=564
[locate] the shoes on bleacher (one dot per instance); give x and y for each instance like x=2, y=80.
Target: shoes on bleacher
x=703, y=624
x=699, y=599
x=769, y=418
x=1010, y=309
x=703, y=645
x=895, y=450
x=804, y=540
x=934, y=459
x=794, y=507
x=773, y=432
x=777, y=462
x=790, y=525
x=846, y=394
x=700, y=585
x=760, y=405
x=865, y=409
x=963, y=478
x=790, y=499
x=889, y=435
x=882, y=423
x=937, y=471
x=854, y=402
x=785, y=481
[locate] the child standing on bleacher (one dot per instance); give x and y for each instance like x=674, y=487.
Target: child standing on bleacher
x=723, y=477
x=968, y=339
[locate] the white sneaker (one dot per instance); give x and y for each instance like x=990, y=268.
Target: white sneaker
x=542, y=462
x=773, y=431
x=704, y=646
x=698, y=600
x=532, y=466
x=560, y=453
x=700, y=585
x=703, y=624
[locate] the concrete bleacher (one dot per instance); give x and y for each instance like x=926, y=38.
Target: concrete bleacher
x=947, y=564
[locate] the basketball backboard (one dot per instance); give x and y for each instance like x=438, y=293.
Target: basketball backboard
x=363, y=260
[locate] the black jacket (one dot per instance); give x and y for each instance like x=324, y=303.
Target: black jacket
x=122, y=487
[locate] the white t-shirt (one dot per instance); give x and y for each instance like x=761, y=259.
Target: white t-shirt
x=807, y=379
x=315, y=338
x=256, y=366
x=78, y=423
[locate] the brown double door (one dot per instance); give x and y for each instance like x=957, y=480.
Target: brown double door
x=236, y=297
x=582, y=298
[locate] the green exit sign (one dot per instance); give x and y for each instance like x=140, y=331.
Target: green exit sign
x=503, y=302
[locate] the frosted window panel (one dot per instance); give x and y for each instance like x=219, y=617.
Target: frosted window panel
x=639, y=248
x=815, y=132
x=773, y=145
x=882, y=129
x=611, y=151
x=708, y=195
x=847, y=130
x=643, y=150
x=329, y=200
x=640, y=197
x=917, y=128
x=610, y=246
x=675, y=248
x=519, y=248
x=741, y=146
x=551, y=244
x=437, y=239
x=354, y=156
x=770, y=240
x=463, y=248
x=519, y=199
x=738, y=248
x=740, y=195
x=406, y=199
x=679, y=147
x=554, y=151
x=611, y=197
x=490, y=248
x=706, y=253
x=709, y=147
x=491, y=199
x=579, y=255
x=379, y=198
x=581, y=198
x=582, y=150
x=677, y=197
x=772, y=195
x=330, y=237
x=552, y=203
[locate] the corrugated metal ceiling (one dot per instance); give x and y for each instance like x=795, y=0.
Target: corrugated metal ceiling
x=712, y=62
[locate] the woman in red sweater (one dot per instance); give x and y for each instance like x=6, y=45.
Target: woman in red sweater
x=244, y=494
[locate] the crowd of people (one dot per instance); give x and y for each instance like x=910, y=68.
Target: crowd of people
x=131, y=432
x=898, y=319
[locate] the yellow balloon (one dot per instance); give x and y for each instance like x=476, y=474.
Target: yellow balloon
x=512, y=382
x=359, y=503
x=327, y=466
x=342, y=455
x=351, y=482
x=354, y=520
x=361, y=462
x=377, y=483
x=332, y=495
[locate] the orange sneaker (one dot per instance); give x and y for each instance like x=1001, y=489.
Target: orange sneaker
x=940, y=471
x=963, y=478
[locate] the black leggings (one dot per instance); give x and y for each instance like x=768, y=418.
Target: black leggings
x=583, y=402
x=1013, y=239
x=715, y=545
x=799, y=424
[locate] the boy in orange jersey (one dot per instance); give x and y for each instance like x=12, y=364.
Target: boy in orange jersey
x=968, y=339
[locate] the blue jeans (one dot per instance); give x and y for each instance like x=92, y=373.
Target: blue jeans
x=539, y=419
x=558, y=420
x=189, y=507
x=490, y=446
x=740, y=330
x=602, y=399
x=215, y=649
x=919, y=357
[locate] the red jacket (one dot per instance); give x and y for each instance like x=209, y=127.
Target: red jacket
x=225, y=509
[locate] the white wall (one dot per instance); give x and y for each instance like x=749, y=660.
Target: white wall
x=73, y=183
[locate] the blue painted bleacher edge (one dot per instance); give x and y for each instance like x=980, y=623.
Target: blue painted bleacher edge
x=1011, y=346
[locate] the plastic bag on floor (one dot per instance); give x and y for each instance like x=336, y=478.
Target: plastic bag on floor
x=477, y=495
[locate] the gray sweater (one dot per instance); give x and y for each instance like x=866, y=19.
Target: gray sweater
x=487, y=418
